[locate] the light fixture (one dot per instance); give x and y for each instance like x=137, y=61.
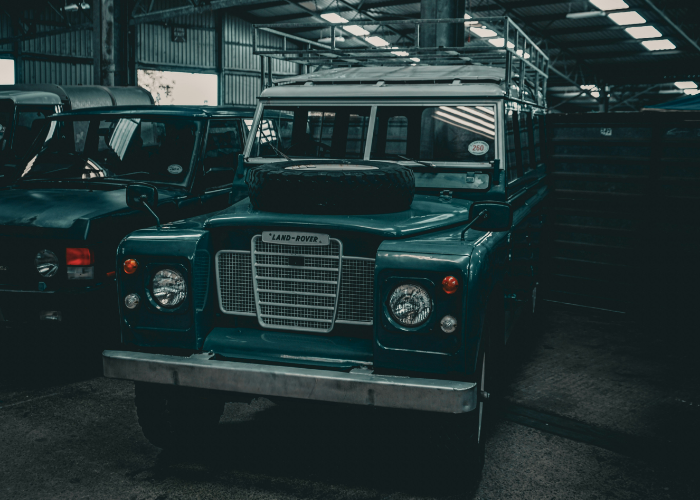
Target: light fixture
x=610, y=4
x=415, y=59
x=586, y=15
x=334, y=18
x=686, y=85
x=328, y=39
x=498, y=42
x=356, y=30
x=400, y=53
x=377, y=41
x=659, y=44
x=483, y=32
x=74, y=7
x=691, y=91
x=625, y=18
x=643, y=32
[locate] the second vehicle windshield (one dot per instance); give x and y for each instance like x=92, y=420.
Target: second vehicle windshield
x=133, y=148
x=423, y=133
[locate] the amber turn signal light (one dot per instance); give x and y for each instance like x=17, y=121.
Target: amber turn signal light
x=450, y=285
x=130, y=266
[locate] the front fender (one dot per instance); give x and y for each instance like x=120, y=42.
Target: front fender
x=148, y=325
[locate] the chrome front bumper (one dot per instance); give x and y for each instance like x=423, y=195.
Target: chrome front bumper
x=354, y=387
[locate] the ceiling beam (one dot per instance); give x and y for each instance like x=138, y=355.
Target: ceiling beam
x=162, y=15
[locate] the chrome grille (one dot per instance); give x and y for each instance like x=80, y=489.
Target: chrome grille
x=305, y=296
x=313, y=269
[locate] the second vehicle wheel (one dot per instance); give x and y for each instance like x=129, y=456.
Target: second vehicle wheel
x=177, y=417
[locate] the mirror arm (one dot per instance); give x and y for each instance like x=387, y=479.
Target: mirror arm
x=484, y=214
x=143, y=202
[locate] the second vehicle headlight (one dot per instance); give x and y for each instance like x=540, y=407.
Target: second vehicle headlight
x=410, y=305
x=169, y=288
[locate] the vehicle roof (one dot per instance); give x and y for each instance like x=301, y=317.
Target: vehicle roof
x=391, y=82
x=374, y=74
x=184, y=111
x=30, y=97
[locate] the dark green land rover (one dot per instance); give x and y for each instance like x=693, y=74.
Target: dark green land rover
x=386, y=251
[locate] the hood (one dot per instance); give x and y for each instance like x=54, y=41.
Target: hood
x=427, y=214
x=63, y=213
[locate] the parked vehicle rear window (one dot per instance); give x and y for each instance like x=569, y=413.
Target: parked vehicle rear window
x=435, y=133
x=133, y=148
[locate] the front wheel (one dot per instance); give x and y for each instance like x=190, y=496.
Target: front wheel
x=177, y=417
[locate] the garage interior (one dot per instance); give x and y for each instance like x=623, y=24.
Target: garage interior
x=603, y=401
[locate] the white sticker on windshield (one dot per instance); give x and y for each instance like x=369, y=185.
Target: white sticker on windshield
x=479, y=148
x=175, y=169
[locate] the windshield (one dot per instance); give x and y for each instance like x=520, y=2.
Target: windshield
x=145, y=149
x=312, y=132
x=435, y=133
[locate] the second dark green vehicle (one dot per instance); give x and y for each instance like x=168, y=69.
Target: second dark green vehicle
x=61, y=221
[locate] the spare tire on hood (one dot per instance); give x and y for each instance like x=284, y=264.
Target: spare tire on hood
x=331, y=187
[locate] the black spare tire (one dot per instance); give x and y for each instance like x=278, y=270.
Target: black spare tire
x=331, y=187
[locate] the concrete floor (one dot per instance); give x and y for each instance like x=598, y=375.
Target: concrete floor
x=597, y=408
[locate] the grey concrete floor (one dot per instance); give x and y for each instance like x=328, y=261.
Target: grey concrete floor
x=597, y=408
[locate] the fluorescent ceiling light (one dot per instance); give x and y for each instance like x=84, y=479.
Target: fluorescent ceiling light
x=586, y=15
x=483, y=32
x=610, y=4
x=498, y=42
x=328, y=39
x=643, y=32
x=686, y=85
x=377, y=41
x=519, y=52
x=334, y=18
x=415, y=59
x=400, y=53
x=659, y=44
x=691, y=91
x=356, y=30
x=625, y=18
x=467, y=16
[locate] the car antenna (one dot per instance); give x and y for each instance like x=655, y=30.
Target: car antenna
x=143, y=199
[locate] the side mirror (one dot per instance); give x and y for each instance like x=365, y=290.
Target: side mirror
x=490, y=216
x=142, y=197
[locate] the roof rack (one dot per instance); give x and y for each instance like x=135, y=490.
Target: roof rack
x=488, y=41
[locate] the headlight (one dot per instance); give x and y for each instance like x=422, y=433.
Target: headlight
x=169, y=288
x=410, y=305
x=46, y=263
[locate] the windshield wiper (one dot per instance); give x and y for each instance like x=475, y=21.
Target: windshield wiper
x=279, y=153
x=424, y=163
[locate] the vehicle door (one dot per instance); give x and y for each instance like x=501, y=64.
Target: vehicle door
x=223, y=145
x=526, y=192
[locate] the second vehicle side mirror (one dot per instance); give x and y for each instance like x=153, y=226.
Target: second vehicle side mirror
x=143, y=197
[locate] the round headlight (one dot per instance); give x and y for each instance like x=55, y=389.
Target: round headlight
x=46, y=263
x=410, y=305
x=169, y=288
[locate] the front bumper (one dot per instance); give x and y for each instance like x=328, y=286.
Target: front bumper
x=354, y=387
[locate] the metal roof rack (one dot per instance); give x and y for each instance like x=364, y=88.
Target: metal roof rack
x=488, y=41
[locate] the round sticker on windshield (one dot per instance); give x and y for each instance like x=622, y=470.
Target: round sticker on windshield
x=175, y=169
x=478, y=148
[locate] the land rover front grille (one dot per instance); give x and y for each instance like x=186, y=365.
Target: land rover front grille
x=296, y=287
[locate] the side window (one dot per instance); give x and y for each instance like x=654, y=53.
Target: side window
x=525, y=142
x=224, y=144
x=511, y=147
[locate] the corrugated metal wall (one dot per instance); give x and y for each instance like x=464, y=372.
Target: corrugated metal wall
x=65, y=58
x=155, y=49
x=5, y=32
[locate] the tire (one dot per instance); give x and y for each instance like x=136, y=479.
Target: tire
x=174, y=418
x=331, y=187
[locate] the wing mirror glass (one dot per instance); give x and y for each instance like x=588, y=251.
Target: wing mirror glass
x=490, y=216
x=143, y=197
